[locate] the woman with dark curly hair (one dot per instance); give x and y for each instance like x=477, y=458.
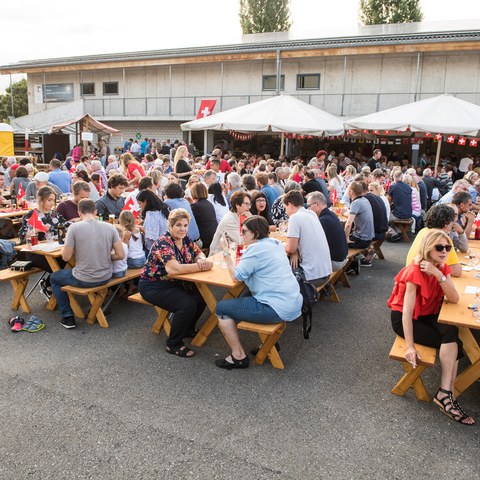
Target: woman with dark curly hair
x=259, y=207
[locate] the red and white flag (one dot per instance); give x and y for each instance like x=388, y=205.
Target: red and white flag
x=438, y=137
x=451, y=139
x=36, y=223
x=333, y=196
x=20, y=193
x=130, y=205
x=462, y=141
x=206, y=108
x=474, y=142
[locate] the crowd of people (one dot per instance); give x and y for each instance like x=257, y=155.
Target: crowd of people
x=167, y=211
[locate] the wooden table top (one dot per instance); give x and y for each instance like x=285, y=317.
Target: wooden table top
x=217, y=276
x=10, y=213
x=459, y=314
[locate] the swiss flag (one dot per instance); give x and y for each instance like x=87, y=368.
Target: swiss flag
x=474, y=142
x=131, y=206
x=462, y=141
x=333, y=196
x=438, y=137
x=36, y=223
x=451, y=139
x=365, y=131
x=386, y=185
x=21, y=192
x=386, y=132
x=427, y=134
x=376, y=132
x=206, y=108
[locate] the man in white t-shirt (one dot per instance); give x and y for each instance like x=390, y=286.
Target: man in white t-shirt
x=307, y=244
x=465, y=162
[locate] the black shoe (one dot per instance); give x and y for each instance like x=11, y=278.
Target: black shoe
x=243, y=363
x=45, y=290
x=394, y=238
x=68, y=322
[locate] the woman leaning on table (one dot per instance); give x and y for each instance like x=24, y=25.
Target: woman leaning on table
x=50, y=218
x=275, y=294
x=175, y=253
x=415, y=303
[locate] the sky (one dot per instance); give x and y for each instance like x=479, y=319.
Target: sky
x=33, y=29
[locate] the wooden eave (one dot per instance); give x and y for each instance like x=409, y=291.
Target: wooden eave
x=422, y=47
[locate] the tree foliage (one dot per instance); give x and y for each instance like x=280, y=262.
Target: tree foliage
x=260, y=16
x=20, y=101
x=374, y=12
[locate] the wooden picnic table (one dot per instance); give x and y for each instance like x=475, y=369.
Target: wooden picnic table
x=11, y=213
x=216, y=277
x=459, y=315
x=52, y=256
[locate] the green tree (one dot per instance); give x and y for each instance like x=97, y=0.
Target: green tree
x=20, y=101
x=374, y=12
x=260, y=16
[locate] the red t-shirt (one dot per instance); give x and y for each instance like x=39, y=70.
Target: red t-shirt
x=131, y=168
x=429, y=292
x=224, y=166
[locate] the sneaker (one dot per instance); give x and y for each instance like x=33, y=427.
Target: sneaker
x=33, y=325
x=367, y=263
x=45, y=291
x=18, y=324
x=395, y=238
x=68, y=322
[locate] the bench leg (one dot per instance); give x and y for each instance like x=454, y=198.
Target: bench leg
x=19, y=286
x=162, y=321
x=96, y=300
x=378, y=250
x=412, y=379
x=268, y=348
x=405, y=229
x=344, y=279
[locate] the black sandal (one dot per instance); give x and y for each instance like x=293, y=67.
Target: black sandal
x=243, y=363
x=448, y=403
x=181, y=351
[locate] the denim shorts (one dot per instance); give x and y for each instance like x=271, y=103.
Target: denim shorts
x=119, y=274
x=136, y=262
x=247, y=309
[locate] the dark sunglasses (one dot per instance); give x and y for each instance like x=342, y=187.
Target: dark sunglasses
x=440, y=248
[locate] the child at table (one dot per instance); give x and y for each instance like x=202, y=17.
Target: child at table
x=120, y=266
x=133, y=236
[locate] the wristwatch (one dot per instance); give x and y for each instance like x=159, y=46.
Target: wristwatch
x=443, y=279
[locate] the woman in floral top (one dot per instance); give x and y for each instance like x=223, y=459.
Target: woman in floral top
x=50, y=218
x=175, y=253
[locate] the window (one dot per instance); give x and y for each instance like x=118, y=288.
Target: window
x=269, y=82
x=308, y=81
x=87, y=89
x=110, y=88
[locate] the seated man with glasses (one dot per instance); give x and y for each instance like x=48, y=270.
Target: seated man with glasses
x=337, y=242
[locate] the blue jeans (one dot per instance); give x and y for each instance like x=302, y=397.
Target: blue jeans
x=119, y=274
x=136, y=262
x=247, y=309
x=65, y=277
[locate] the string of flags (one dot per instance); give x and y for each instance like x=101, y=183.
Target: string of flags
x=240, y=135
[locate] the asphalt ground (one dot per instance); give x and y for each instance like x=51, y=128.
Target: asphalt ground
x=112, y=404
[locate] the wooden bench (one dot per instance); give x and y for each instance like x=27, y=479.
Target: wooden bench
x=97, y=295
x=411, y=378
x=404, y=226
x=269, y=335
x=162, y=315
x=376, y=244
x=19, y=281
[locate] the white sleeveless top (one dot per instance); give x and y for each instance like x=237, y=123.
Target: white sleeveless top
x=135, y=247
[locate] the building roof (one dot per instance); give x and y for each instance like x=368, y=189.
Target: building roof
x=361, y=36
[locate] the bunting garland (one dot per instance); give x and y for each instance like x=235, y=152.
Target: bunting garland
x=240, y=135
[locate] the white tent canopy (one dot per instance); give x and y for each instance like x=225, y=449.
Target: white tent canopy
x=276, y=114
x=443, y=114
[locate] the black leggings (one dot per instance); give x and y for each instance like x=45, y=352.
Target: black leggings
x=40, y=261
x=181, y=298
x=427, y=331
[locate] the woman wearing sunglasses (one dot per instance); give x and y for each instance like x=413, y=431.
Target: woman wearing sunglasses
x=275, y=294
x=415, y=303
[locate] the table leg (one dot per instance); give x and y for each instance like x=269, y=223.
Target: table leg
x=212, y=321
x=472, y=372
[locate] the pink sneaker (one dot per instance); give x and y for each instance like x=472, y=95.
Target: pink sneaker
x=17, y=325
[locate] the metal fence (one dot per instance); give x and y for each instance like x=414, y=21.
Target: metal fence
x=342, y=105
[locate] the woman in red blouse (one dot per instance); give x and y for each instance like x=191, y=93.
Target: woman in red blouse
x=132, y=169
x=415, y=303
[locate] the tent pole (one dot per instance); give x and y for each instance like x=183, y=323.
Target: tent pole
x=437, y=157
x=205, y=137
x=282, y=142
x=85, y=142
